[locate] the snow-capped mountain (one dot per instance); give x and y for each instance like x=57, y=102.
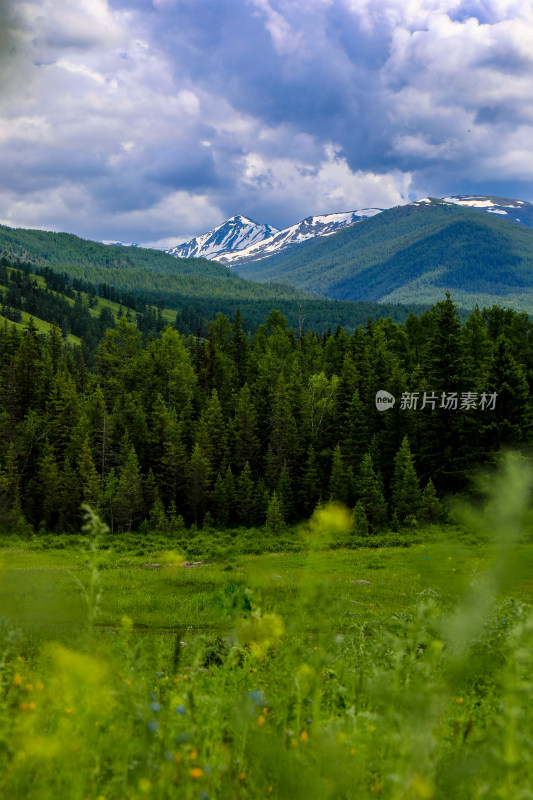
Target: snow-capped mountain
x=511, y=210
x=237, y=234
x=121, y=244
x=309, y=228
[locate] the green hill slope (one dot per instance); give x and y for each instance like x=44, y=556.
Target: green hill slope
x=196, y=286
x=412, y=254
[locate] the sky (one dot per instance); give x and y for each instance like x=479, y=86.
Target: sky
x=152, y=122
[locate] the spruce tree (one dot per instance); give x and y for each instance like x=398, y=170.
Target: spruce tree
x=129, y=498
x=90, y=482
x=405, y=487
x=337, y=481
x=219, y=502
x=245, y=430
x=359, y=520
x=274, y=517
x=285, y=493
x=198, y=483
x=370, y=495
x=430, y=506
x=245, y=495
x=311, y=486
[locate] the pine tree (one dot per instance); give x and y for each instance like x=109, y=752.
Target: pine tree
x=158, y=519
x=337, y=481
x=245, y=426
x=10, y=491
x=274, y=516
x=245, y=495
x=212, y=435
x=239, y=348
x=69, y=496
x=90, y=482
x=356, y=433
x=359, y=520
x=198, y=483
x=129, y=500
x=311, y=484
x=49, y=485
x=229, y=484
x=219, y=502
x=285, y=494
x=430, y=505
x=405, y=487
x=370, y=495
x=261, y=501
x=284, y=436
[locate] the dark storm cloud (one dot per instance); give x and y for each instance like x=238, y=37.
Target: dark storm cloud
x=157, y=120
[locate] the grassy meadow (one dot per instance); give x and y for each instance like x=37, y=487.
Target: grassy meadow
x=393, y=672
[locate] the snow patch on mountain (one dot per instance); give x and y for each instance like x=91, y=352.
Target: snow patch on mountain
x=309, y=228
x=234, y=235
x=515, y=210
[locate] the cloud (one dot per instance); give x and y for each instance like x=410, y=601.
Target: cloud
x=150, y=121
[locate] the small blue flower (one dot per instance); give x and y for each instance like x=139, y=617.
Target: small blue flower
x=257, y=696
x=181, y=710
x=153, y=726
x=155, y=707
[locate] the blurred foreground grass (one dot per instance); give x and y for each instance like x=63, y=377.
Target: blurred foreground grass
x=397, y=673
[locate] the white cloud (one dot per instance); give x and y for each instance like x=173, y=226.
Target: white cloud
x=112, y=131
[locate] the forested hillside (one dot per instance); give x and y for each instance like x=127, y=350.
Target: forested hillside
x=414, y=253
x=195, y=287
x=240, y=429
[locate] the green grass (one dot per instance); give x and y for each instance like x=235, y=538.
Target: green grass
x=41, y=325
x=397, y=672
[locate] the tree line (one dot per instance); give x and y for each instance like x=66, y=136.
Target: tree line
x=241, y=429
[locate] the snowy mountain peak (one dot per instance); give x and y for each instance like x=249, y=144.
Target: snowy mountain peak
x=512, y=210
x=236, y=234
x=309, y=228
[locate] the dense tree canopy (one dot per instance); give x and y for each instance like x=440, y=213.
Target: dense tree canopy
x=254, y=428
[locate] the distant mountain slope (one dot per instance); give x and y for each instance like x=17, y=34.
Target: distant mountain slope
x=310, y=228
x=233, y=235
x=413, y=253
x=194, y=286
x=511, y=210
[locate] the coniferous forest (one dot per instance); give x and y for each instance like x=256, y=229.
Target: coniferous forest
x=164, y=429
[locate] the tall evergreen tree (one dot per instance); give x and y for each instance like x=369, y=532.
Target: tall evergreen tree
x=370, y=495
x=405, y=487
x=129, y=500
x=198, y=483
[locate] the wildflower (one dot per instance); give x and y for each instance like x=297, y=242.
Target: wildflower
x=23, y=706
x=17, y=680
x=39, y=686
x=195, y=773
x=261, y=720
x=69, y=711
x=304, y=736
x=32, y=706
x=144, y=785
x=459, y=701
x=177, y=758
x=194, y=755
x=28, y=687
x=242, y=776
x=180, y=710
